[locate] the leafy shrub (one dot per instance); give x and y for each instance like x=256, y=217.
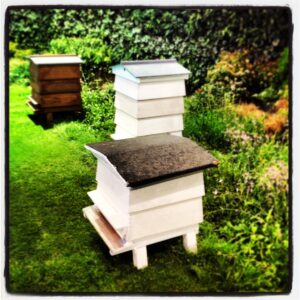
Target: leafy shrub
x=273, y=78
x=19, y=71
x=14, y=51
x=246, y=210
x=98, y=104
x=248, y=256
x=194, y=36
x=94, y=52
x=232, y=79
x=207, y=128
x=30, y=28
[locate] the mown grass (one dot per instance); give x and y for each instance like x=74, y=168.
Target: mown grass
x=242, y=244
x=52, y=247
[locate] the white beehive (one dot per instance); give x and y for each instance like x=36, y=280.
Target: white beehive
x=149, y=189
x=149, y=97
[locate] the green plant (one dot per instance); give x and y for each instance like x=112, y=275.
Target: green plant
x=194, y=36
x=18, y=71
x=273, y=79
x=243, y=242
x=98, y=104
x=94, y=52
x=30, y=28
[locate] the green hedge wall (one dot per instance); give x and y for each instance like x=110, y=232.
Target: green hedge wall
x=194, y=36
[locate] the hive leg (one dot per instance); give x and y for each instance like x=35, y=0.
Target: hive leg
x=49, y=117
x=190, y=242
x=140, y=259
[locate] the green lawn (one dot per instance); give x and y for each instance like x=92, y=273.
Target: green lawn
x=52, y=248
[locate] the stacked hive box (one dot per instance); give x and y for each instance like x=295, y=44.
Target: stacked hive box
x=149, y=98
x=55, y=82
x=149, y=189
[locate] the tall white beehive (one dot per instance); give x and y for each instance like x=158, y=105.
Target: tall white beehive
x=149, y=98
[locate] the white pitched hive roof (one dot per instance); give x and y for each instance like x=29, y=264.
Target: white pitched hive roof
x=149, y=69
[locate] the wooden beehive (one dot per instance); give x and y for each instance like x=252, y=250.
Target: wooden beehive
x=55, y=83
x=149, y=97
x=149, y=189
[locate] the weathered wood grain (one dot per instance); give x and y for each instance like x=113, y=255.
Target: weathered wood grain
x=38, y=109
x=54, y=72
x=56, y=86
x=56, y=100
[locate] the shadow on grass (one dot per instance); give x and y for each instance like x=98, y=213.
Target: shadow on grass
x=125, y=260
x=58, y=117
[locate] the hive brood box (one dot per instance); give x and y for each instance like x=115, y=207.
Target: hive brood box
x=149, y=97
x=149, y=189
x=55, y=83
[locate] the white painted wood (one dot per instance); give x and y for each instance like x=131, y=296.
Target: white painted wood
x=121, y=133
x=118, y=220
x=190, y=242
x=177, y=133
x=151, y=68
x=150, y=90
x=121, y=72
x=118, y=246
x=163, y=236
x=126, y=87
x=164, y=218
x=110, y=238
x=149, y=108
x=106, y=163
x=153, y=90
x=163, y=78
x=148, y=126
x=146, y=215
x=140, y=258
x=55, y=59
x=112, y=187
x=167, y=192
x=128, y=246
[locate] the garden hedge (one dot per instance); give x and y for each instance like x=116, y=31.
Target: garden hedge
x=194, y=36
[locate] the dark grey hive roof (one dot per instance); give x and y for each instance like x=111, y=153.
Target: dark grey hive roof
x=151, y=158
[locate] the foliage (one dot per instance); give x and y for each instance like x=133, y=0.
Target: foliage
x=232, y=79
x=235, y=79
x=14, y=51
x=30, y=28
x=18, y=71
x=246, y=203
x=194, y=36
x=94, y=52
x=243, y=242
x=274, y=78
x=98, y=104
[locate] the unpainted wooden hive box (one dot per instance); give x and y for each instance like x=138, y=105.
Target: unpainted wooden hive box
x=149, y=189
x=149, y=97
x=55, y=82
